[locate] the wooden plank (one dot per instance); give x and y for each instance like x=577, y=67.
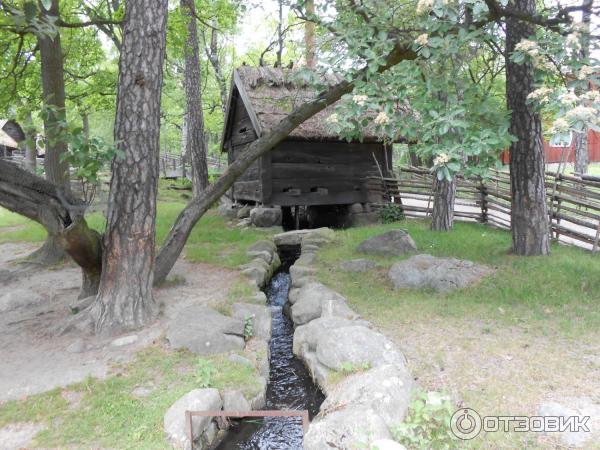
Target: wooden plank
x=265, y=178
x=326, y=152
x=583, y=223
x=247, y=190
x=252, y=172
x=573, y=234
x=306, y=184
x=316, y=198
x=581, y=212
x=285, y=171
x=247, y=103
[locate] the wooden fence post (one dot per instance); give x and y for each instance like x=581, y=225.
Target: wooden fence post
x=484, y=204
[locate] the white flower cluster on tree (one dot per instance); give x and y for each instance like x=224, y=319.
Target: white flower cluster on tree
x=572, y=42
x=568, y=98
x=382, y=118
x=360, y=99
x=423, y=39
x=441, y=159
x=541, y=95
x=424, y=6
x=333, y=118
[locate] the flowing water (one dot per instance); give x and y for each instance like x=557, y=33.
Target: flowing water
x=290, y=385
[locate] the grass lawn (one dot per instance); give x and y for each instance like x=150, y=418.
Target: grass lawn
x=526, y=334
x=108, y=414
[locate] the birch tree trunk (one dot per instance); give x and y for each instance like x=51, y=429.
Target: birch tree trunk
x=529, y=213
x=125, y=299
x=195, y=142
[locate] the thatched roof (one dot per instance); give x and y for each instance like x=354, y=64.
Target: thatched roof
x=270, y=94
x=11, y=133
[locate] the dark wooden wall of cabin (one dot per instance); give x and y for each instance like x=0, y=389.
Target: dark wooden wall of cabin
x=303, y=172
x=248, y=187
x=321, y=173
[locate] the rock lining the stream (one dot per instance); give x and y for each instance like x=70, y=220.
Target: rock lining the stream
x=265, y=261
x=315, y=300
x=258, y=315
x=203, y=428
x=332, y=340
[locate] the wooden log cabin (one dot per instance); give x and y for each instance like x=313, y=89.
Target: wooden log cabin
x=313, y=166
x=11, y=134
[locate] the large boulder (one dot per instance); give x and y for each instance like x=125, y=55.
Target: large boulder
x=385, y=389
x=440, y=274
x=259, y=316
x=391, y=243
x=348, y=428
x=175, y=425
x=265, y=217
x=358, y=265
x=205, y=331
x=316, y=300
x=357, y=347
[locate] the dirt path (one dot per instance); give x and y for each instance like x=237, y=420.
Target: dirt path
x=34, y=305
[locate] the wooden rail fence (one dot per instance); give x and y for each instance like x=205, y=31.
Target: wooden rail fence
x=573, y=201
x=173, y=165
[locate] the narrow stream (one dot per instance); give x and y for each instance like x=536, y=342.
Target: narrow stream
x=290, y=385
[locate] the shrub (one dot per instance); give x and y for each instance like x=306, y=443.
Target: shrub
x=391, y=213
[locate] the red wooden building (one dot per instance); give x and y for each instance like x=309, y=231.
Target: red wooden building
x=554, y=153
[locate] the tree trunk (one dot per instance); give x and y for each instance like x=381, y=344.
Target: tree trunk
x=213, y=56
x=279, y=35
x=30, y=147
x=195, y=143
x=53, y=87
x=582, y=158
x=581, y=152
x=309, y=36
x=444, y=192
x=125, y=299
x=58, y=212
x=85, y=125
x=175, y=241
x=529, y=214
